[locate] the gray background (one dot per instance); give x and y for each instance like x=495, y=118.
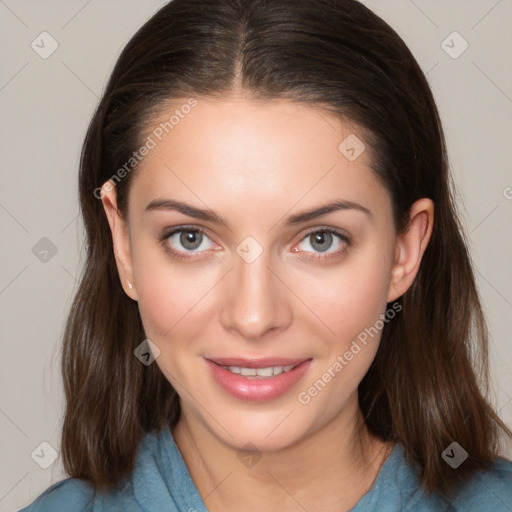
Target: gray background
x=45, y=107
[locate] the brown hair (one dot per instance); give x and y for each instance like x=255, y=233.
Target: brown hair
x=423, y=386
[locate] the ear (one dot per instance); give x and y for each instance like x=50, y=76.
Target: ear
x=410, y=247
x=120, y=238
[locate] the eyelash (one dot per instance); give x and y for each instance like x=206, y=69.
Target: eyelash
x=319, y=257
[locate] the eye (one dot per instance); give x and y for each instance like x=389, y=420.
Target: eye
x=184, y=239
x=184, y=242
x=325, y=242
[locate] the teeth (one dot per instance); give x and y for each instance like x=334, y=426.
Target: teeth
x=271, y=371
x=265, y=372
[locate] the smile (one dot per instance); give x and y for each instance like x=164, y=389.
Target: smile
x=257, y=380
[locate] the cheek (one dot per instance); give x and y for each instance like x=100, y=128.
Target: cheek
x=351, y=302
x=351, y=298
x=169, y=294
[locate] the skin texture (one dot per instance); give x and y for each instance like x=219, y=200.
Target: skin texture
x=255, y=164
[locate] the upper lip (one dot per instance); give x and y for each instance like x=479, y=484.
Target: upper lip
x=257, y=363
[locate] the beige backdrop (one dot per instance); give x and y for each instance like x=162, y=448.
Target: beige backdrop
x=46, y=100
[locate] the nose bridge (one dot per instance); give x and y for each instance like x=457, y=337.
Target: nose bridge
x=256, y=302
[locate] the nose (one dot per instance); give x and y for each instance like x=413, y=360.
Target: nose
x=255, y=301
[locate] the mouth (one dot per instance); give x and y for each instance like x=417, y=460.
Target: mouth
x=257, y=379
x=258, y=372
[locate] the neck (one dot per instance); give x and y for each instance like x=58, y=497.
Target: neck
x=328, y=470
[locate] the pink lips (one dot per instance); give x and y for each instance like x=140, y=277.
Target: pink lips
x=246, y=388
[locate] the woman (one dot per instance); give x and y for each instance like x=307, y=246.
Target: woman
x=278, y=309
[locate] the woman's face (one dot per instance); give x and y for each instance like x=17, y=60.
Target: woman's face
x=259, y=277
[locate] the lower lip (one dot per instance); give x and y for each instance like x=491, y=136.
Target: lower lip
x=257, y=389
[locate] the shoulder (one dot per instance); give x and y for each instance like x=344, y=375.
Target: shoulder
x=487, y=490
x=159, y=477
x=398, y=487
x=70, y=494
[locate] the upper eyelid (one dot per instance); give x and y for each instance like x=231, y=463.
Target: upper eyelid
x=337, y=231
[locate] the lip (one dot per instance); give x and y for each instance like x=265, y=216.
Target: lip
x=245, y=388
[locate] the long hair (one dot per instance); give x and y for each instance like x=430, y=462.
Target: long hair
x=427, y=386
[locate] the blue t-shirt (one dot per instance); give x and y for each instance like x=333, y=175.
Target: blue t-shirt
x=161, y=482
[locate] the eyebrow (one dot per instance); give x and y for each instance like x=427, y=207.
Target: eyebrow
x=210, y=216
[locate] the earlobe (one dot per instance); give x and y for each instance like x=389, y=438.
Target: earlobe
x=120, y=238
x=410, y=247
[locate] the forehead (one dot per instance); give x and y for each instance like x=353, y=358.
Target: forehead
x=237, y=127
x=255, y=152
